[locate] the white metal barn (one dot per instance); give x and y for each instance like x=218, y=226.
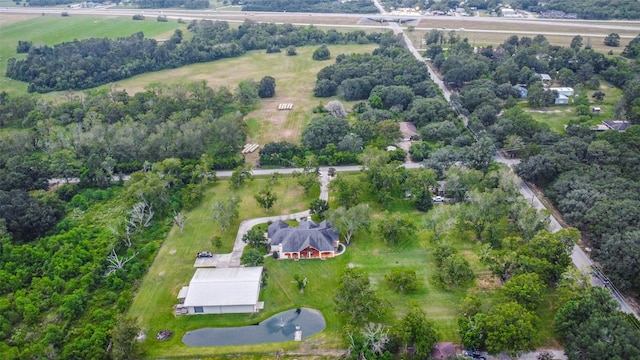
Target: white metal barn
x=223, y=291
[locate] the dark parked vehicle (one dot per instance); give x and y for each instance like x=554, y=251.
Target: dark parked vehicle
x=204, y=254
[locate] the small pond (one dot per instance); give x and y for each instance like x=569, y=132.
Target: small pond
x=280, y=327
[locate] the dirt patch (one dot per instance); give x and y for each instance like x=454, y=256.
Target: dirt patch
x=172, y=251
x=488, y=282
x=161, y=273
x=6, y=19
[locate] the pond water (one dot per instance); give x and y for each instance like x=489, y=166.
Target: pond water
x=280, y=327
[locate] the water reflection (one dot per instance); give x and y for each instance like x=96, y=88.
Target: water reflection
x=280, y=327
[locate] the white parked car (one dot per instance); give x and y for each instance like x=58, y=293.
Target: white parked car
x=438, y=199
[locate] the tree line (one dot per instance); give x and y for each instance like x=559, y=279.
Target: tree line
x=82, y=64
x=316, y=6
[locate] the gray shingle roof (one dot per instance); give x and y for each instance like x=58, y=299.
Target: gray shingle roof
x=275, y=227
x=309, y=234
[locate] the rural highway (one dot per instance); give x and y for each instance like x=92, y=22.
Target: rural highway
x=582, y=27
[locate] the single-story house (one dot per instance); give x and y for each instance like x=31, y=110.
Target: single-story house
x=521, y=90
x=309, y=240
x=546, y=78
x=561, y=100
x=506, y=12
x=618, y=125
x=566, y=91
x=222, y=291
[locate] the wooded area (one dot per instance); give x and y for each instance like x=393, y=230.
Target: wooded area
x=84, y=64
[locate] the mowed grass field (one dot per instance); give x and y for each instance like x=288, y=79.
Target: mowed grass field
x=295, y=79
x=173, y=268
x=54, y=29
x=295, y=75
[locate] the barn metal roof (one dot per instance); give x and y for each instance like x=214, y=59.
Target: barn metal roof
x=224, y=286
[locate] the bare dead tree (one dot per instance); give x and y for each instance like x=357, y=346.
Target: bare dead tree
x=141, y=214
x=116, y=263
x=179, y=220
x=126, y=236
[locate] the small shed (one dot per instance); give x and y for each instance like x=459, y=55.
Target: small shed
x=522, y=91
x=566, y=91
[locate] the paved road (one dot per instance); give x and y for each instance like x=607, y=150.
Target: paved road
x=245, y=226
x=581, y=26
x=578, y=256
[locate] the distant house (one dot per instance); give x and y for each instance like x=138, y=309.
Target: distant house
x=546, y=78
x=506, y=12
x=309, y=240
x=522, y=91
x=566, y=91
x=561, y=100
x=222, y=291
x=618, y=125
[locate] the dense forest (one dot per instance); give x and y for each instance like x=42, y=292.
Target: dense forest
x=84, y=64
x=586, y=174
x=318, y=6
x=70, y=259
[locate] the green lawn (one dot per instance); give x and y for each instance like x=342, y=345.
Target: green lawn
x=559, y=116
x=173, y=268
x=295, y=79
x=54, y=29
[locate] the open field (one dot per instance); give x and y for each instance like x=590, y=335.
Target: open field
x=295, y=79
x=52, y=29
x=559, y=116
x=480, y=38
x=173, y=269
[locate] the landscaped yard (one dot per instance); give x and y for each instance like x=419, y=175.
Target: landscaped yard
x=173, y=268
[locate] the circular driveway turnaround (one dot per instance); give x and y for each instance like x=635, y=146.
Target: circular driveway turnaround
x=279, y=327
